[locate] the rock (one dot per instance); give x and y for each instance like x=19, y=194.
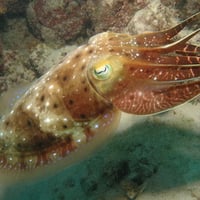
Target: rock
x=159, y=15
x=12, y=6
x=1, y=57
x=154, y=17
x=57, y=21
x=109, y=14
x=15, y=70
x=3, y=7
x=43, y=57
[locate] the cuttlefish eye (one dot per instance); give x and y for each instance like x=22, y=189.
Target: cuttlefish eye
x=105, y=73
x=102, y=72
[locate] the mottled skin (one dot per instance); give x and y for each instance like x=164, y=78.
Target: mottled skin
x=82, y=97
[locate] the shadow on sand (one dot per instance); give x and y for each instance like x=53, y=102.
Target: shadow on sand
x=167, y=156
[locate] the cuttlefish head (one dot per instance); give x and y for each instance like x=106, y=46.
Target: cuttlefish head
x=140, y=90
x=106, y=75
x=148, y=73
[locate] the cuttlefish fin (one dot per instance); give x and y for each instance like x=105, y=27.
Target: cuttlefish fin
x=163, y=37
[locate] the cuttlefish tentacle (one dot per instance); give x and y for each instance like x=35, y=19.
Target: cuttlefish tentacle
x=175, y=66
x=166, y=48
x=190, y=50
x=177, y=45
x=156, y=74
x=152, y=39
x=76, y=105
x=163, y=37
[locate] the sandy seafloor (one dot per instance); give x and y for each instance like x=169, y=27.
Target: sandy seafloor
x=155, y=158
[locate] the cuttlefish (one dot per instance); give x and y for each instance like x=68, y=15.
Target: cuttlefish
x=77, y=105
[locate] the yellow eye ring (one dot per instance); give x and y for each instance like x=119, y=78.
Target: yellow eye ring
x=103, y=72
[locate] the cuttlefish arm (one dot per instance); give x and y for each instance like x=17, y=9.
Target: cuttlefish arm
x=152, y=73
x=160, y=37
x=76, y=106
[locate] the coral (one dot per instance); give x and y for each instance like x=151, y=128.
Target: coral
x=57, y=20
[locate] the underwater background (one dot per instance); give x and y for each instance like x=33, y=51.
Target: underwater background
x=158, y=157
